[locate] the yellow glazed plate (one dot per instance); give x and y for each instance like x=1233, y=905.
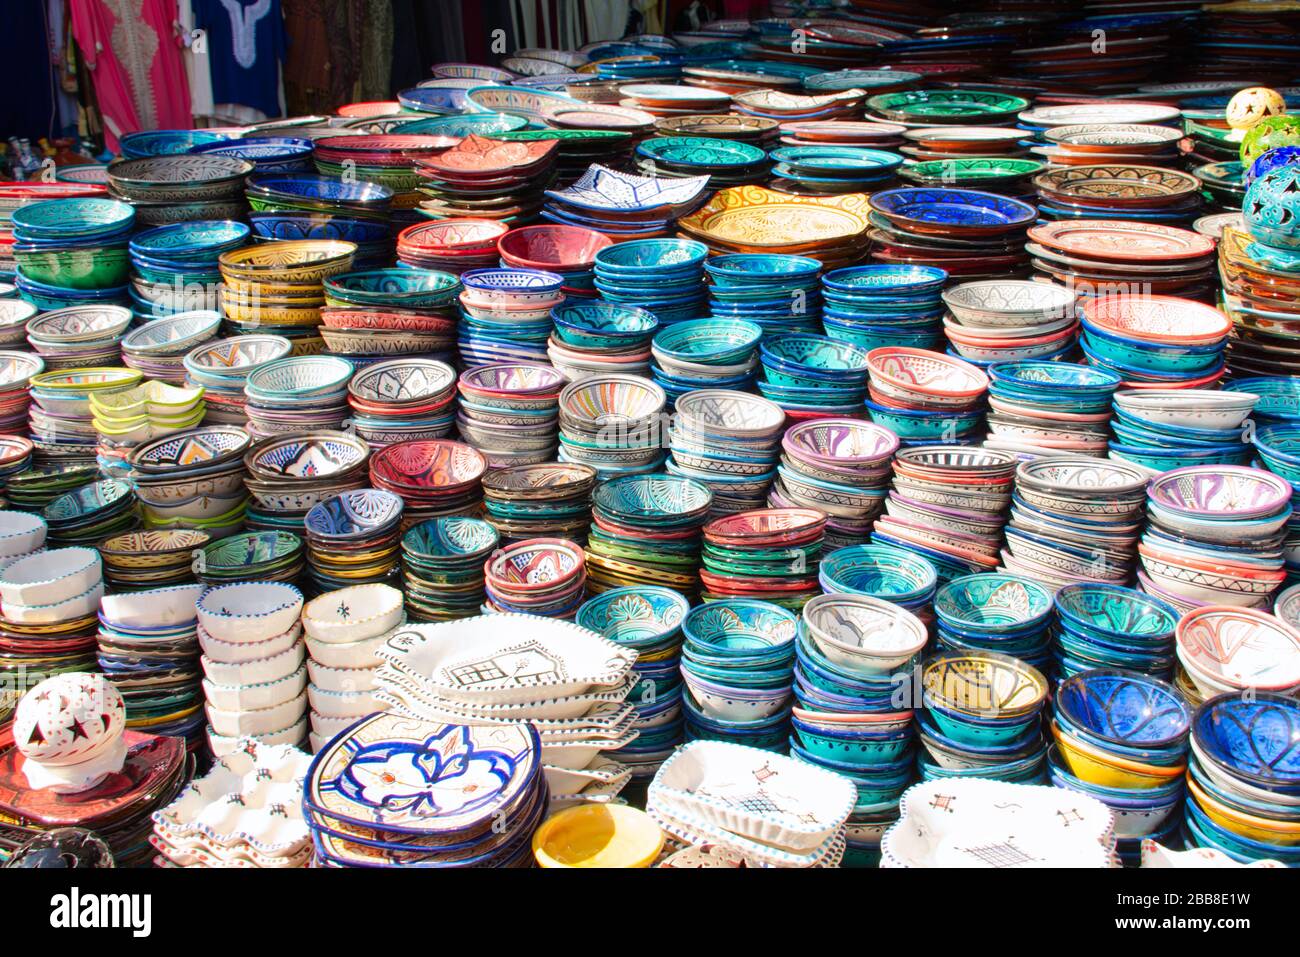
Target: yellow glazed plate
x=598, y=835
x=301, y=260
x=755, y=216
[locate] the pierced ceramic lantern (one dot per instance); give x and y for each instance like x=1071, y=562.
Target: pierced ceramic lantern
x=1267, y=162
x=1267, y=134
x=69, y=730
x=1253, y=104
x=1271, y=209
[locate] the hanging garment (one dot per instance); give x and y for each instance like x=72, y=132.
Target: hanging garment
x=197, y=62
x=322, y=63
x=131, y=49
x=246, y=43
x=376, y=49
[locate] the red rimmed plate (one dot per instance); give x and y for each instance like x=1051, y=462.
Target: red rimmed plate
x=1122, y=241
x=1165, y=319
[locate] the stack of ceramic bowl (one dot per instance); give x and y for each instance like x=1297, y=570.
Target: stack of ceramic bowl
x=648, y=620
x=175, y=266
x=158, y=348
x=16, y=370
x=402, y=399
x=489, y=179
x=466, y=671
x=593, y=337
x=289, y=475
x=812, y=376
x=888, y=572
x=725, y=162
x=184, y=188
x=719, y=793
x=998, y=320
x=1215, y=535
x=951, y=501
x=614, y=423
x=151, y=410
x=79, y=337
x=646, y=531
x=352, y=539
x=779, y=293
x=92, y=512
x=278, y=285
x=1244, y=798
x=435, y=478
x=297, y=393
x=547, y=500
x=60, y=416
x=255, y=682
x=390, y=312
x=1118, y=191
x=500, y=403
x=1168, y=428
x=737, y=664
x=972, y=234
x=1130, y=717
x=624, y=206
x=252, y=556
x=387, y=160
x=663, y=276
x=1093, y=256
x=1050, y=408
x=355, y=827
x=506, y=314
x=840, y=466
x=1004, y=613
x=39, y=485
x=135, y=560
x=705, y=354
x=1075, y=519
x=305, y=206
x=15, y=455
x=54, y=586
x=222, y=367
x=354, y=615
x=925, y=397
x=73, y=252
x=1081, y=145
x=267, y=830
x=1109, y=626
x=192, y=479
x=539, y=576
x=884, y=305
x=568, y=251
x=982, y=717
x=268, y=154
x=149, y=650
x=770, y=554
x=452, y=245
x=824, y=169
x=442, y=567
x=854, y=653
x=1155, y=341
x=728, y=441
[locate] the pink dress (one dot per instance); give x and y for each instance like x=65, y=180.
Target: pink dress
x=133, y=52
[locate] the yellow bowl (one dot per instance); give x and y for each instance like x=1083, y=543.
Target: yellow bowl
x=271, y=315
x=300, y=260
x=1239, y=822
x=87, y=378
x=598, y=835
x=1097, y=767
x=269, y=290
x=152, y=398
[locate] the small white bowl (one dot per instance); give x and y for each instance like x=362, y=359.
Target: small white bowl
x=20, y=533
x=252, y=697
x=863, y=634
x=353, y=654
x=236, y=652
x=257, y=672
x=232, y=724
x=352, y=614
x=341, y=679
x=155, y=608
x=343, y=704
x=249, y=611
x=79, y=607
x=326, y=727
x=48, y=578
x=293, y=735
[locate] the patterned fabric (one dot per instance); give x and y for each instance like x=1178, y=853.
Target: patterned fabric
x=132, y=53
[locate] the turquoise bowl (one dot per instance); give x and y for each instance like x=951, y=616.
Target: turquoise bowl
x=402, y=287
x=635, y=616
x=879, y=571
x=1028, y=770
x=740, y=626
x=915, y=425
x=854, y=753
x=1150, y=357
x=1115, y=612
x=979, y=732
x=1279, y=396
x=597, y=324
x=709, y=341
x=650, y=257
x=1165, y=461
x=1279, y=449
x=820, y=356
x=992, y=603
x=749, y=269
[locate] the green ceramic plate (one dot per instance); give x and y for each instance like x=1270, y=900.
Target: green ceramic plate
x=976, y=169
x=946, y=106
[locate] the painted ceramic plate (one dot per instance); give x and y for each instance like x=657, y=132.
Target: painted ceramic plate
x=1116, y=240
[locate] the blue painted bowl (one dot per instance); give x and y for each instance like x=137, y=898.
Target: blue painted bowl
x=319, y=189
x=1147, y=358
x=1209, y=834
x=709, y=341
x=643, y=257
x=1096, y=609
x=966, y=729
x=957, y=208
x=879, y=571
x=1030, y=741
x=816, y=357
x=1256, y=741
x=1110, y=707
x=741, y=270
x=1028, y=770
x=848, y=752
x=992, y=603
x=635, y=616
x=740, y=627
x=1279, y=396
x=887, y=280
x=148, y=143
x=1061, y=378
x=593, y=323
x=914, y=424
x=402, y=288
x=319, y=226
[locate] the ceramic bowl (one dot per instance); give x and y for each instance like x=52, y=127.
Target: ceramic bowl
x=351, y=654
x=598, y=835
x=1107, y=769
x=236, y=652
x=863, y=634
x=879, y=571
x=352, y=614
x=256, y=671
x=342, y=704
x=78, y=606
x=152, y=608
x=1123, y=708
x=1189, y=408
x=738, y=627
x=1115, y=611
x=253, y=697
x=261, y=721
x=1233, y=649
x=249, y=611
x=1215, y=492
x=983, y=684
x=636, y=616
x=340, y=679
x=1250, y=740
x=50, y=577
x=20, y=533
x=992, y=603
